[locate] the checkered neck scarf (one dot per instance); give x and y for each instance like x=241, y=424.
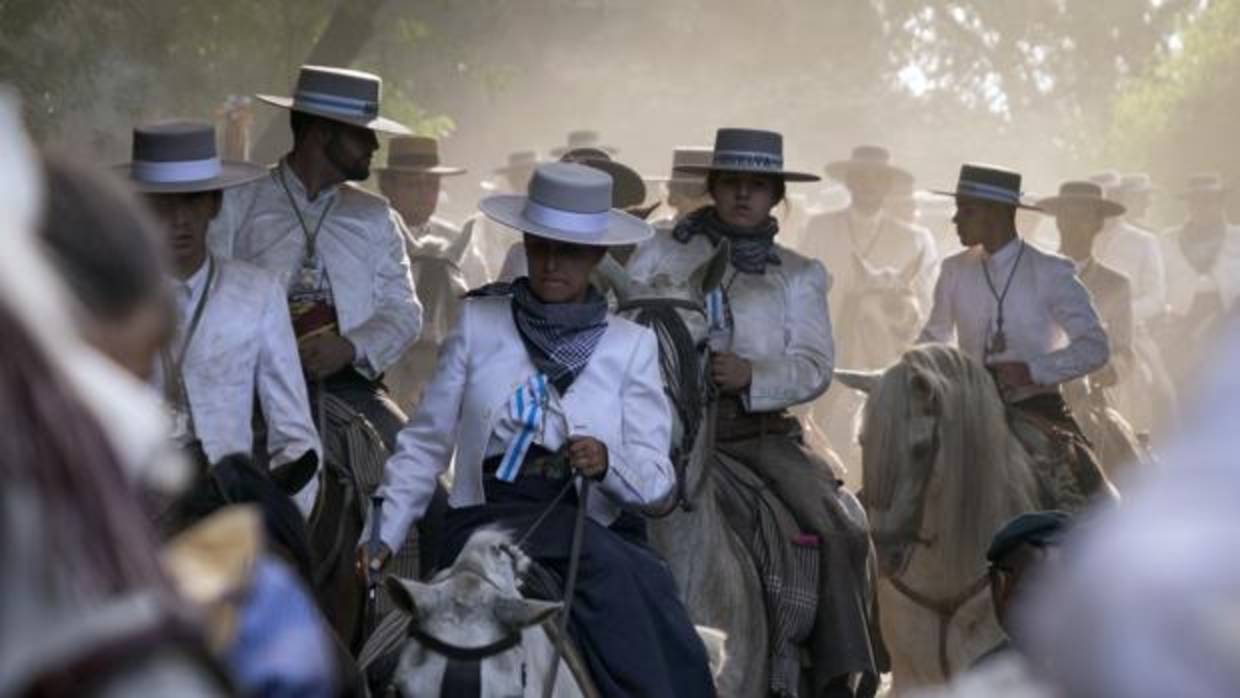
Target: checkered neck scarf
x=752, y=248
x=560, y=337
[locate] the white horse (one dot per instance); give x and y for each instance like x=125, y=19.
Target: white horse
x=470, y=626
x=882, y=316
x=942, y=473
x=718, y=575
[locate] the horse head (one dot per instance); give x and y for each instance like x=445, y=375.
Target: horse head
x=941, y=469
x=469, y=618
x=676, y=310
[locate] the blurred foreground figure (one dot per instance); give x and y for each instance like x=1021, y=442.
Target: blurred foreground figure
x=1149, y=602
x=85, y=609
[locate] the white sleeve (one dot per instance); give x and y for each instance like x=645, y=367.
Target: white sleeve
x=1088, y=348
x=639, y=471
x=424, y=446
x=804, y=371
x=397, y=320
x=281, y=389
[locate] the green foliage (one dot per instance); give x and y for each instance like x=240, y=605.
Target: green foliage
x=1173, y=118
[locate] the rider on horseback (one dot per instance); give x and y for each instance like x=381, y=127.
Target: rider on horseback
x=234, y=341
x=772, y=350
x=537, y=383
x=1025, y=314
x=338, y=249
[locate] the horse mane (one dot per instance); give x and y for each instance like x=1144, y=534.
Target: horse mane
x=431, y=245
x=983, y=474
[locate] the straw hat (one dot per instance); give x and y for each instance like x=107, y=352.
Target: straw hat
x=1081, y=192
x=417, y=154
x=348, y=96
x=569, y=203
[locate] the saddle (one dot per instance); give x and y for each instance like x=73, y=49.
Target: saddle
x=1068, y=473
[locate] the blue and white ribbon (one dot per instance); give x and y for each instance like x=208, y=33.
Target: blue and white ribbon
x=527, y=407
x=716, y=313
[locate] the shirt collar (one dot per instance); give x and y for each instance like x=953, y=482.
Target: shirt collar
x=1005, y=253
x=862, y=223
x=195, y=282
x=299, y=190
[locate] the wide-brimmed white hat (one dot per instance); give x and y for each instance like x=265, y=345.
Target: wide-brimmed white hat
x=583, y=138
x=349, y=96
x=569, y=203
x=179, y=157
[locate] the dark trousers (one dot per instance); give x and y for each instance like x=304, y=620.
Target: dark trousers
x=626, y=616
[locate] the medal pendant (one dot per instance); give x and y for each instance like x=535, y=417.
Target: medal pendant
x=998, y=343
x=307, y=277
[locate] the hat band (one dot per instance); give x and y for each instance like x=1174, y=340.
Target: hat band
x=175, y=171
x=570, y=221
x=988, y=191
x=336, y=104
x=413, y=161
x=747, y=159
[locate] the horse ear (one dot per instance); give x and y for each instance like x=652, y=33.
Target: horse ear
x=709, y=275
x=615, y=277
x=910, y=272
x=862, y=381
x=520, y=613
x=293, y=476
x=413, y=597
x=455, y=251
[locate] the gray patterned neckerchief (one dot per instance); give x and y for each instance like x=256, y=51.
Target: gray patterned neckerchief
x=559, y=337
x=752, y=248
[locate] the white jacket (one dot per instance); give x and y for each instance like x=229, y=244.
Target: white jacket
x=618, y=399
x=1049, y=318
x=361, y=245
x=781, y=322
x=1183, y=281
x=244, y=347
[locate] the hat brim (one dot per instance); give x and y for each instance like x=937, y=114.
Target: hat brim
x=786, y=175
x=440, y=170
x=839, y=170
x=622, y=228
x=962, y=195
x=565, y=150
x=231, y=174
x=377, y=123
x=1106, y=207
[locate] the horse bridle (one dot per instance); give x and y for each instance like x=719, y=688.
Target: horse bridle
x=945, y=609
x=462, y=675
x=690, y=420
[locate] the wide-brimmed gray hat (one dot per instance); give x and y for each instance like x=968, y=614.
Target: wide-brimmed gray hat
x=569, y=203
x=520, y=160
x=417, y=155
x=180, y=157
x=869, y=158
x=748, y=150
x=1082, y=192
x=349, y=96
x=1205, y=184
x=988, y=183
x=583, y=138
